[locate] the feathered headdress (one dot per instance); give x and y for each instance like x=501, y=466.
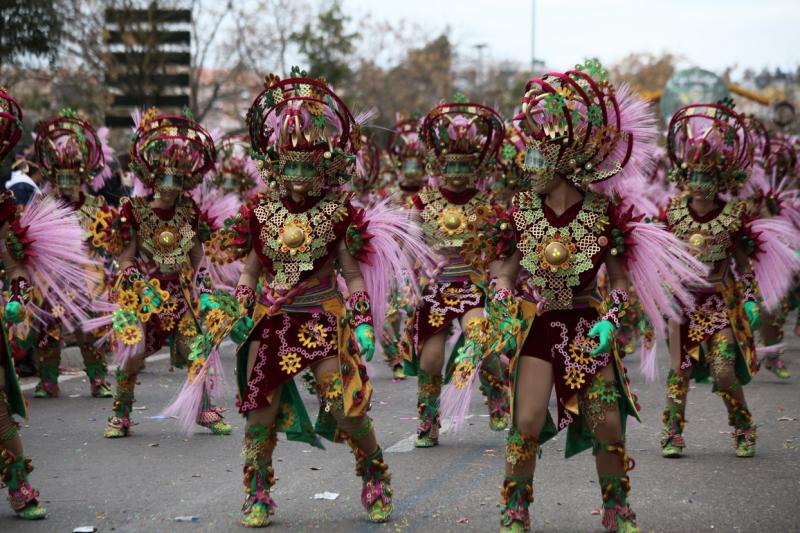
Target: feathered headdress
x=461, y=131
x=368, y=166
x=712, y=139
x=171, y=145
x=68, y=145
x=580, y=127
x=236, y=170
x=300, y=119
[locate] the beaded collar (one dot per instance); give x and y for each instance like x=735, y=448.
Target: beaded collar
x=557, y=256
x=710, y=240
x=167, y=242
x=293, y=241
x=448, y=224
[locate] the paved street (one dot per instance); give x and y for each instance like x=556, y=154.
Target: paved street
x=144, y=482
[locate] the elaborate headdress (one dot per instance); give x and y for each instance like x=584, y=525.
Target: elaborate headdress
x=581, y=128
x=710, y=139
x=405, y=149
x=781, y=162
x=368, y=166
x=300, y=119
x=69, y=151
x=236, y=170
x=511, y=158
x=10, y=123
x=170, y=146
x=461, y=131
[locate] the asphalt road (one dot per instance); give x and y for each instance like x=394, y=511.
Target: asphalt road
x=142, y=483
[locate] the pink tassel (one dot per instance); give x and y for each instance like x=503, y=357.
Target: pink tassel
x=766, y=351
x=188, y=403
x=455, y=402
x=397, y=246
x=108, y=154
x=57, y=257
x=647, y=363
x=123, y=354
x=775, y=264
x=662, y=272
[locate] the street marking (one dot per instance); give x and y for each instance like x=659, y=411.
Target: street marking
x=406, y=444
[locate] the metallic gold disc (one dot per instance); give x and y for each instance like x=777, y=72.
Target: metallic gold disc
x=556, y=253
x=293, y=236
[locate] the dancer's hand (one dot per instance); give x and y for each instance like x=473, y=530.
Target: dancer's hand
x=365, y=336
x=207, y=302
x=241, y=330
x=604, y=332
x=753, y=314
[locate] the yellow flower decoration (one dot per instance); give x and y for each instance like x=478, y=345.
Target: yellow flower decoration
x=701, y=318
x=436, y=319
x=214, y=320
x=186, y=326
x=575, y=378
x=331, y=385
x=311, y=336
x=577, y=354
x=128, y=300
x=290, y=363
x=695, y=334
x=167, y=323
x=57, y=311
x=451, y=296
x=130, y=335
x=170, y=306
x=285, y=418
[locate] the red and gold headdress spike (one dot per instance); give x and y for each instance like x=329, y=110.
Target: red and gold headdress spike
x=171, y=145
x=461, y=130
x=10, y=123
x=302, y=119
x=68, y=145
x=710, y=139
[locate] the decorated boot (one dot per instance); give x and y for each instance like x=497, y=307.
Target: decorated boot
x=775, y=364
x=516, y=497
x=23, y=498
x=259, y=476
x=496, y=398
x=211, y=417
x=617, y=514
x=376, y=492
x=672, y=442
x=429, y=389
x=119, y=423
x=744, y=431
x=48, y=382
x=97, y=380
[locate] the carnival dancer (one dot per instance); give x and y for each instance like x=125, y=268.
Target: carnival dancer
x=44, y=272
x=777, y=196
x=580, y=131
x=72, y=158
x=160, y=291
x=747, y=256
x=406, y=157
x=461, y=139
x=296, y=240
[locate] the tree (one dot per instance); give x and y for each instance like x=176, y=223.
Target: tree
x=326, y=45
x=28, y=29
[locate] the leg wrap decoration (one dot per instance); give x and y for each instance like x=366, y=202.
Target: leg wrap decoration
x=8, y=428
x=520, y=447
x=331, y=392
x=600, y=397
x=722, y=359
x=259, y=476
x=96, y=370
x=739, y=417
x=674, y=413
x=516, y=497
x=429, y=388
x=120, y=422
x=49, y=360
x=617, y=514
x=376, y=491
x=211, y=417
x=493, y=387
x=15, y=476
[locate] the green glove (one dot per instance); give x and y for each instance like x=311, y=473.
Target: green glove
x=753, y=314
x=604, y=331
x=365, y=335
x=207, y=303
x=14, y=312
x=241, y=330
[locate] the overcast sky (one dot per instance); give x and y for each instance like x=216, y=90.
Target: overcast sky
x=710, y=33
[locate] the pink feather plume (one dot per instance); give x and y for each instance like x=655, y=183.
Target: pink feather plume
x=775, y=264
